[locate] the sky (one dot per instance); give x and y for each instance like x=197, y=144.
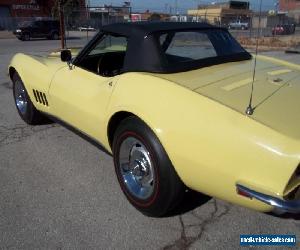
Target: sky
x=183, y=5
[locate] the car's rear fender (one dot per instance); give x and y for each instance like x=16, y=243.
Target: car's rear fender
x=211, y=146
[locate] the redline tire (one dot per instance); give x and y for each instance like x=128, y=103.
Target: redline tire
x=159, y=195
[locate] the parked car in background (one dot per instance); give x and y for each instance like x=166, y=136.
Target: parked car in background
x=49, y=29
x=86, y=28
x=238, y=25
x=284, y=29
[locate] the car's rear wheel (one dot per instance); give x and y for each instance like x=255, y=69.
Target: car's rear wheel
x=23, y=103
x=144, y=171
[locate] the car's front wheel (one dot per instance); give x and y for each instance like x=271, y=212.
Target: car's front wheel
x=144, y=170
x=54, y=36
x=23, y=103
x=26, y=37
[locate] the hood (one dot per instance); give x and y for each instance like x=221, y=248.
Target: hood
x=49, y=61
x=21, y=27
x=52, y=60
x=74, y=51
x=25, y=25
x=276, y=96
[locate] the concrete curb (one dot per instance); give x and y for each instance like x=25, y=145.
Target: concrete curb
x=6, y=35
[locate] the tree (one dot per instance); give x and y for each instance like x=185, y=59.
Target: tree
x=154, y=17
x=71, y=10
x=70, y=7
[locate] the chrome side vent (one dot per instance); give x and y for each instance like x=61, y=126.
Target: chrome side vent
x=40, y=97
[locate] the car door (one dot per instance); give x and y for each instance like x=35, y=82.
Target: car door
x=34, y=29
x=38, y=29
x=80, y=95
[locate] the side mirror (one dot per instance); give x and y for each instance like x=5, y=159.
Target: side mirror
x=65, y=55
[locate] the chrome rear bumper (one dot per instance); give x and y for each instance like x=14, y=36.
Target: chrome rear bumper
x=287, y=206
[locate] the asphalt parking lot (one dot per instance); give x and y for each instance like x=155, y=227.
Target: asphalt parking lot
x=57, y=191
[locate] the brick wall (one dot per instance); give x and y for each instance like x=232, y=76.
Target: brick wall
x=286, y=5
x=31, y=8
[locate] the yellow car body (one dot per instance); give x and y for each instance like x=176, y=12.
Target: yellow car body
x=198, y=116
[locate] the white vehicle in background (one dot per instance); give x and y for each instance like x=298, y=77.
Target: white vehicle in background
x=238, y=25
x=86, y=28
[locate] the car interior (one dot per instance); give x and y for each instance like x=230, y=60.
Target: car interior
x=107, y=64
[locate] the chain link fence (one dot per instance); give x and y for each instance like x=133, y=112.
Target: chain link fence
x=272, y=30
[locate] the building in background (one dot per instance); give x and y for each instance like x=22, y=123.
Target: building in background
x=29, y=8
x=136, y=17
x=291, y=8
x=13, y=11
x=288, y=5
x=24, y=8
x=154, y=16
x=269, y=19
x=106, y=14
x=222, y=13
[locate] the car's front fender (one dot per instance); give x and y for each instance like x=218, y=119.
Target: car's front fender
x=36, y=73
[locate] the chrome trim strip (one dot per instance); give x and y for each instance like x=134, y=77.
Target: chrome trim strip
x=77, y=132
x=279, y=204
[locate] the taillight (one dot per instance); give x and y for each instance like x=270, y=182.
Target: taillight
x=242, y=192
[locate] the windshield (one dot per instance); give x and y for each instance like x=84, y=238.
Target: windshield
x=110, y=43
x=25, y=24
x=189, y=46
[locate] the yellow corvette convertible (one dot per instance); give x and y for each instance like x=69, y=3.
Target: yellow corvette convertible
x=168, y=101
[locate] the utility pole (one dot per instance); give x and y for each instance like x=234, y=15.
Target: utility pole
x=277, y=7
x=166, y=8
x=62, y=23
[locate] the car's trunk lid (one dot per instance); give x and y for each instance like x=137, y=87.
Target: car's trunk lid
x=276, y=96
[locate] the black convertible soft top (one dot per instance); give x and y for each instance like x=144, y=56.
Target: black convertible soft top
x=144, y=52
x=142, y=29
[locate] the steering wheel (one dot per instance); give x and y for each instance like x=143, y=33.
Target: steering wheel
x=103, y=66
x=100, y=67
x=107, y=65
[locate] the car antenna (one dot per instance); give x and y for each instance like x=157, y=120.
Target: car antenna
x=250, y=109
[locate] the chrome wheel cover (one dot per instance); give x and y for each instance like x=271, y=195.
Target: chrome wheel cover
x=20, y=97
x=136, y=168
